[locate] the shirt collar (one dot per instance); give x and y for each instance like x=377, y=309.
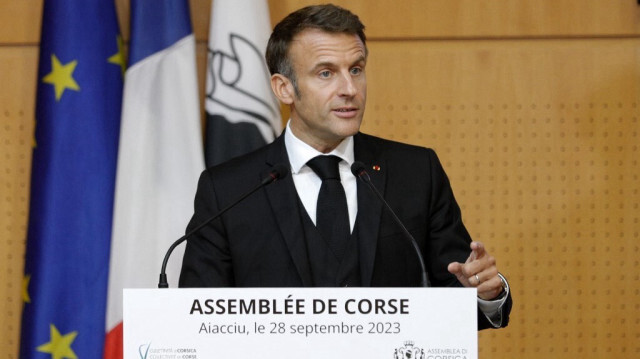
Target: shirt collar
x=300, y=153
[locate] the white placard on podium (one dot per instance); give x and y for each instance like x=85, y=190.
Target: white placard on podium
x=393, y=323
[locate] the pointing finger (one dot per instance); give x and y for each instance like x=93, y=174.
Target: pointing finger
x=477, y=250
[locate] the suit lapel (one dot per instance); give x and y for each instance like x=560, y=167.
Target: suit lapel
x=369, y=206
x=284, y=204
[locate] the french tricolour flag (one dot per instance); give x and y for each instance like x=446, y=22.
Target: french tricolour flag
x=160, y=155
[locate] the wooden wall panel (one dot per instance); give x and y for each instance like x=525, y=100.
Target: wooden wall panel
x=459, y=18
x=18, y=66
x=541, y=143
x=20, y=21
x=486, y=18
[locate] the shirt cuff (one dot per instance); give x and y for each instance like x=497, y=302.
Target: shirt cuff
x=492, y=309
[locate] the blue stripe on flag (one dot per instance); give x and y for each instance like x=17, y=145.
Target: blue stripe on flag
x=79, y=95
x=149, y=33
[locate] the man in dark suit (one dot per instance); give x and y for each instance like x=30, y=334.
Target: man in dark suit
x=321, y=226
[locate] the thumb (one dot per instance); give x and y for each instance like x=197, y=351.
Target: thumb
x=455, y=268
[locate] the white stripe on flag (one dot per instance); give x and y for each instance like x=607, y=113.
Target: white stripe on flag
x=160, y=160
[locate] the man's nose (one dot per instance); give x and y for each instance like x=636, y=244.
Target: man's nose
x=347, y=85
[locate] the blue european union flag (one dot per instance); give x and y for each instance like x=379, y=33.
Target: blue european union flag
x=79, y=96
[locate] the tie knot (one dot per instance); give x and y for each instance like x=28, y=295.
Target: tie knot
x=326, y=167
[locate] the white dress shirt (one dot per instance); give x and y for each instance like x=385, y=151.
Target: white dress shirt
x=308, y=183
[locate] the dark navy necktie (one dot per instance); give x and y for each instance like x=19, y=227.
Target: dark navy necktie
x=332, y=214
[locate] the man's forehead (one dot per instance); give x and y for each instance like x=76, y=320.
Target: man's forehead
x=317, y=39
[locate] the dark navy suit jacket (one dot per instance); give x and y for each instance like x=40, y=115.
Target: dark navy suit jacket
x=261, y=243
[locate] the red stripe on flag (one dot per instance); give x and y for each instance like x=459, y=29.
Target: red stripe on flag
x=113, y=343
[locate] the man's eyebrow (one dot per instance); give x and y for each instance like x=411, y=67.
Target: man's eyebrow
x=323, y=64
x=360, y=59
x=329, y=64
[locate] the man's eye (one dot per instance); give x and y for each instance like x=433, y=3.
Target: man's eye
x=325, y=74
x=356, y=71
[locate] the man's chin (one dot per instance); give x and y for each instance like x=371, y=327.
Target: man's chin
x=348, y=131
x=348, y=125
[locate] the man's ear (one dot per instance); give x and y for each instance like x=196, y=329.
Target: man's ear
x=282, y=88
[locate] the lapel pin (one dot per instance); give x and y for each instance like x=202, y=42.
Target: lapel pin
x=376, y=168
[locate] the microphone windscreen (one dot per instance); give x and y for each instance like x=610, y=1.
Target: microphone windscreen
x=280, y=171
x=358, y=168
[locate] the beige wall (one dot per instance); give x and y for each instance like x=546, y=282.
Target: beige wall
x=533, y=108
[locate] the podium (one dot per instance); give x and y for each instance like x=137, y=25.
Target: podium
x=395, y=323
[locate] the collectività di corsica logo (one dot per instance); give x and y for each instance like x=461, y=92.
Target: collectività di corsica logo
x=147, y=352
x=143, y=350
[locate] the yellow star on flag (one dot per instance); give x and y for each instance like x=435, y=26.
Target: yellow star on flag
x=61, y=76
x=25, y=288
x=118, y=58
x=60, y=345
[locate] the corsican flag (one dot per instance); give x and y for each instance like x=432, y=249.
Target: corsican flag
x=161, y=154
x=242, y=112
x=79, y=94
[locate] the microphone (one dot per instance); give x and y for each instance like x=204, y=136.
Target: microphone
x=278, y=171
x=358, y=170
